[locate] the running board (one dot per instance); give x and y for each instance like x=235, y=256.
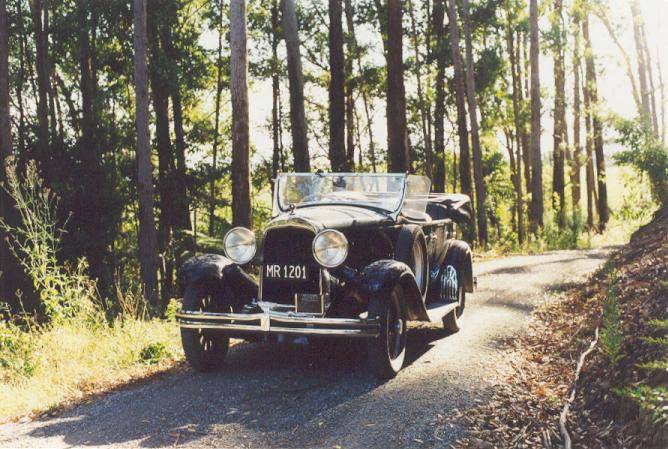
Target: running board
x=437, y=310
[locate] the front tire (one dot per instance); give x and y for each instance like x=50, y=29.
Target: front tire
x=205, y=349
x=386, y=353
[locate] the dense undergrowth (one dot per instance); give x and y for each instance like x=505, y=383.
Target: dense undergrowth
x=77, y=346
x=621, y=396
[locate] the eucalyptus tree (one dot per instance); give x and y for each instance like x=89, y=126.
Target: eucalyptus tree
x=147, y=238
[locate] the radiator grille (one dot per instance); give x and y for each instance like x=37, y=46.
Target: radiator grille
x=289, y=246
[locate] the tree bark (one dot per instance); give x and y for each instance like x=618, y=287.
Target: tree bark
x=275, y=92
x=39, y=9
x=480, y=189
x=522, y=75
x=517, y=169
x=363, y=91
x=296, y=78
x=426, y=136
x=642, y=68
x=216, y=130
x=5, y=150
x=147, y=238
x=577, y=150
x=597, y=128
x=337, y=107
x=602, y=15
x=536, y=213
x=589, y=154
x=560, y=138
x=241, y=200
x=397, y=132
x=650, y=78
x=181, y=205
x=662, y=97
x=351, y=118
x=438, y=15
x=166, y=169
x=462, y=128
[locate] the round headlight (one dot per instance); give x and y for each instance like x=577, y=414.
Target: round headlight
x=239, y=245
x=330, y=248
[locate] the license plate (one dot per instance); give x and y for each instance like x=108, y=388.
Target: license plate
x=287, y=272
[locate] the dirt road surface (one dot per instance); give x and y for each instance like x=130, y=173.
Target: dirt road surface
x=272, y=396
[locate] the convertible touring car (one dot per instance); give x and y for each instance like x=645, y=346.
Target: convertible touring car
x=345, y=255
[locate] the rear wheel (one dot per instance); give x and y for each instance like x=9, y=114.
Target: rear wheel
x=205, y=349
x=387, y=352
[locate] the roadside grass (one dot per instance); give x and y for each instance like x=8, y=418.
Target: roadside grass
x=77, y=346
x=56, y=366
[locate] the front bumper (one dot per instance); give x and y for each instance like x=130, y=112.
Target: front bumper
x=279, y=323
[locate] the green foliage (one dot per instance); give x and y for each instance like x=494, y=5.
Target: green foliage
x=652, y=399
x=154, y=353
x=16, y=348
x=611, y=330
x=645, y=152
x=65, y=291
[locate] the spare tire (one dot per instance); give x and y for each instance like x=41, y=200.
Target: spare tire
x=411, y=249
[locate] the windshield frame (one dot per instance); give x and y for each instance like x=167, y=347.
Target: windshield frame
x=278, y=207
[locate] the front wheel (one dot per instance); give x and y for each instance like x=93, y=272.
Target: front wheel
x=205, y=349
x=387, y=352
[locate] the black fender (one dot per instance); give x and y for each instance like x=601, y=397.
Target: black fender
x=458, y=254
x=221, y=275
x=378, y=278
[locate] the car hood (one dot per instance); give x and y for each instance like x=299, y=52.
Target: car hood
x=332, y=217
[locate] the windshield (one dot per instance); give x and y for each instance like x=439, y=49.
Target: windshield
x=383, y=191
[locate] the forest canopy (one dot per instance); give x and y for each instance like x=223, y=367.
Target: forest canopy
x=159, y=125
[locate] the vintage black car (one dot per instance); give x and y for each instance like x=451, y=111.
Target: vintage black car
x=345, y=255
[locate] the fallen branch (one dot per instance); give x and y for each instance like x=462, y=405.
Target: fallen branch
x=567, y=405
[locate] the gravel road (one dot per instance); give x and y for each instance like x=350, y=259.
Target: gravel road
x=287, y=396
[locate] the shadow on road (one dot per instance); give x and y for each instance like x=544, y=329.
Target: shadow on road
x=270, y=389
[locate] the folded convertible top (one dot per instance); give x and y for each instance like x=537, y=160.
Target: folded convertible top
x=455, y=206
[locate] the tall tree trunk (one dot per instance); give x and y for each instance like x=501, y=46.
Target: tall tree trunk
x=40, y=9
x=5, y=150
x=424, y=113
x=362, y=88
x=522, y=76
x=577, y=150
x=337, y=107
x=93, y=213
x=160, y=94
x=438, y=15
x=559, y=129
x=147, y=238
x=642, y=68
x=536, y=213
x=462, y=128
x=181, y=206
x=597, y=127
x=650, y=78
x=216, y=131
x=662, y=97
x=275, y=92
x=517, y=169
x=480, y=189
x=241, y=200
x=351, y=118
x=589, y=155
x=397, y=132
x=296, y=78
x=602, y=14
